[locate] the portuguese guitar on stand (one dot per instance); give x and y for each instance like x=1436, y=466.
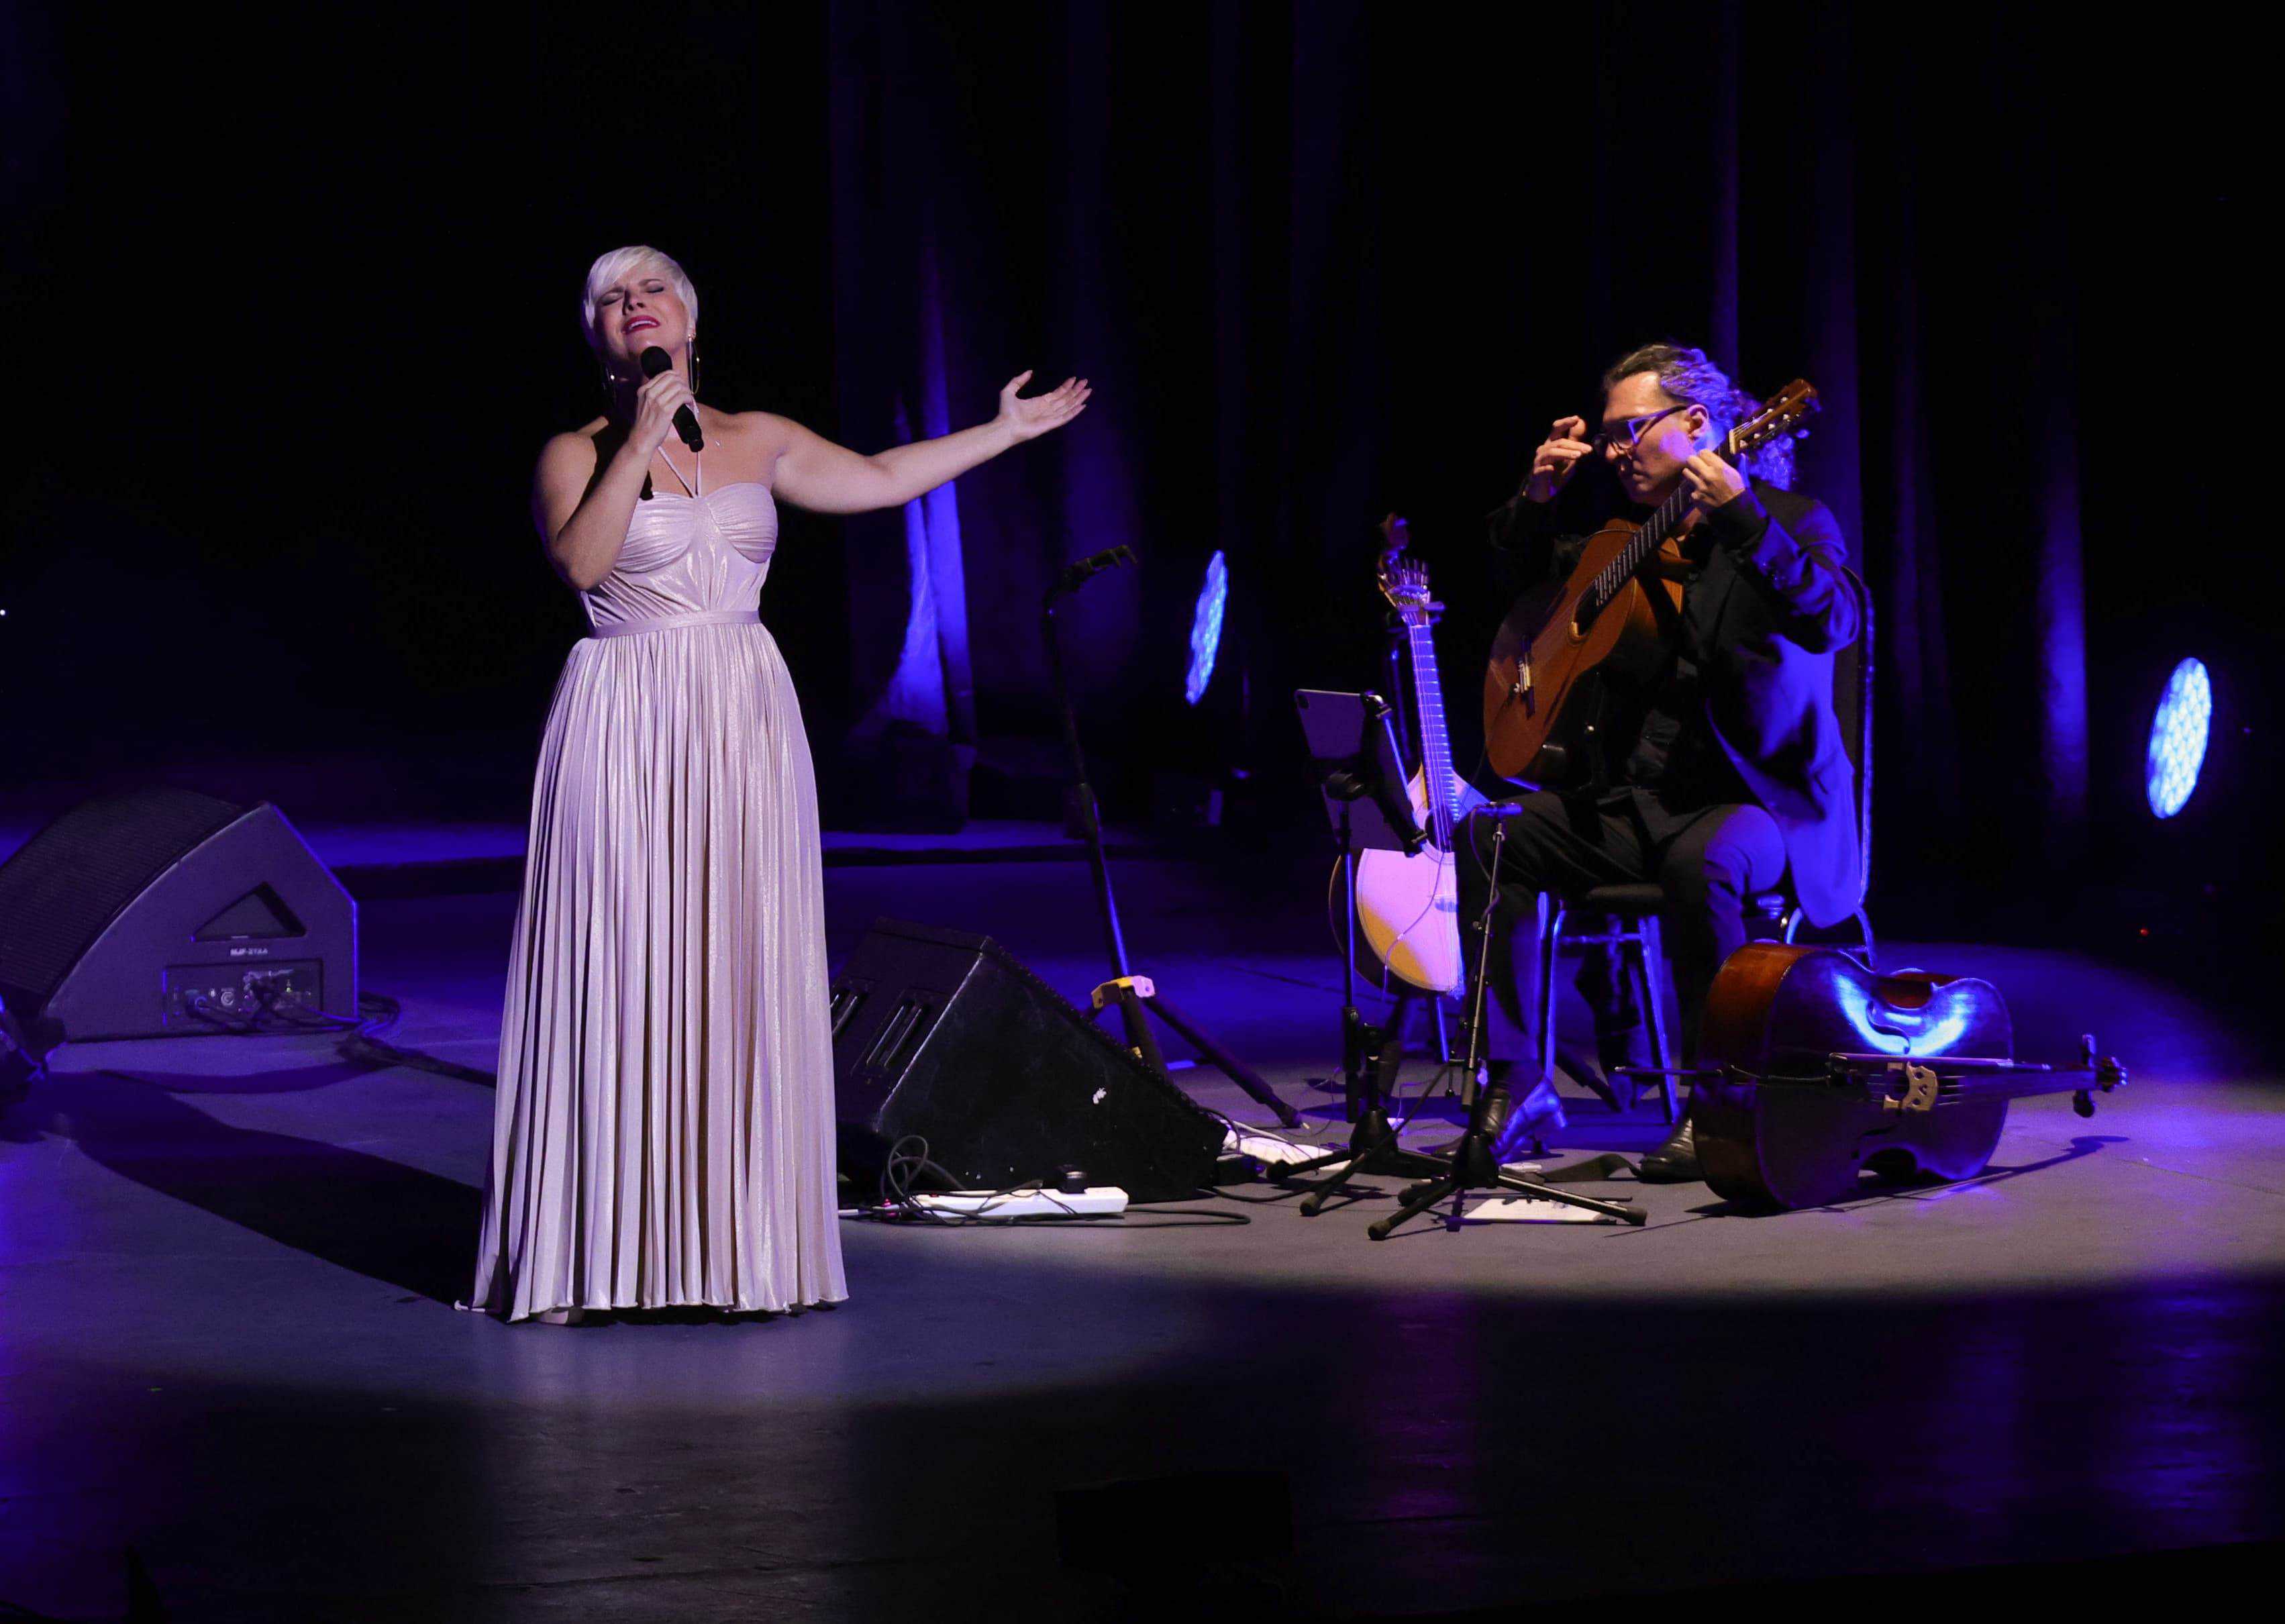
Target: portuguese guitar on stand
x=1407, y=904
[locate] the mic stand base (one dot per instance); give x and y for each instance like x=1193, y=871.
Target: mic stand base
x=1372, y=1150
x=1473, y=1165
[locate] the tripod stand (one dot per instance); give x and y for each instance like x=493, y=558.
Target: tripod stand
x=1130, y=992
x=1468, y=1166
x=1472, y=1162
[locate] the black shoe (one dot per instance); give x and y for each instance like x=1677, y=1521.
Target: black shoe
x=1540, y=1111
x=1516, y=1131
x=1675, y=1162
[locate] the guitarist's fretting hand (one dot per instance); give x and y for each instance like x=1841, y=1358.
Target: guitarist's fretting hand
x=1711, y=481
x=1558, y=459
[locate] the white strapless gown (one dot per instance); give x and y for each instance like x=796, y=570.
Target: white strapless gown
x=664, y=1133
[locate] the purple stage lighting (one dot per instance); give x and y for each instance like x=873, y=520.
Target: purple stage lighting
x=2178, y=738
x=1205, y=628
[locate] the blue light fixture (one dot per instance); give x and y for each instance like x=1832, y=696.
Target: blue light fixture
x=2178, y=738
x=1205, y=628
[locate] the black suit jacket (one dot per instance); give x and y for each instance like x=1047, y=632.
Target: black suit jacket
x=1769, y=609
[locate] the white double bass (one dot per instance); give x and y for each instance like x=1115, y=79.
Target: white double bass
x=1407, y=904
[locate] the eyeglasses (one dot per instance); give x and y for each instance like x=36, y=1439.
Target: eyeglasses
x=1632, y=428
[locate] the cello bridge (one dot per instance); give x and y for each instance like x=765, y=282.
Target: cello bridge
x=1919, y=1089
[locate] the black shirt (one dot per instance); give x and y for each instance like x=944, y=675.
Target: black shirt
x=1676, y=756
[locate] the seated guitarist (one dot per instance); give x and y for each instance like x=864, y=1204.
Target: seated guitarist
x=1730, y=769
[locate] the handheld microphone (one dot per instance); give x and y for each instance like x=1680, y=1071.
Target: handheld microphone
x=655, y=361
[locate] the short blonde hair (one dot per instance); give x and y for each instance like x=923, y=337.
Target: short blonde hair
x=612, y=269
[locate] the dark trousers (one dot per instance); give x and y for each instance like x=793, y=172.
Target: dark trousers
x=1709, y=861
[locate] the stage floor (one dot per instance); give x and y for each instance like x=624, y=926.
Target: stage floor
x=228, y=1345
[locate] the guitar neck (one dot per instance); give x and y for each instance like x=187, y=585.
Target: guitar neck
x=1648, y=539
x=1781, y=414
x=1435, y=742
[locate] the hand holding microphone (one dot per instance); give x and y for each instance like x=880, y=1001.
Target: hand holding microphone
x=665, y=392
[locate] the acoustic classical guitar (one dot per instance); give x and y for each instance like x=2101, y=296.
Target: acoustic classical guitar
x=1408, y=904
x=1561, y=644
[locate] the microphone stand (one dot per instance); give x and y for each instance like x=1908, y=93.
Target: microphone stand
x=1133, y=994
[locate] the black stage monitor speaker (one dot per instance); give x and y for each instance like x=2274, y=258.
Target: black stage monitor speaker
x=943, y=1034
x=119, y=915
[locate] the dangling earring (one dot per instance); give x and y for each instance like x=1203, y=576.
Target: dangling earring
x=694, y=363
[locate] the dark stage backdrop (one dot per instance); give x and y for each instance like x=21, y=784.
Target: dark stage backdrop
x=292, y=320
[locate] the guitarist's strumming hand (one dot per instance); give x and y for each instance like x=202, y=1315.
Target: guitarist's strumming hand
x=1711, y=481
x=1558, y=459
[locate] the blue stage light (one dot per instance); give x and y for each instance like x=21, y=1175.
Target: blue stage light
x=1205, y=628
x=2178, y=738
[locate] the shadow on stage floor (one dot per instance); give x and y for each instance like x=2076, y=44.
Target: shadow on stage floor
x=363, y=1213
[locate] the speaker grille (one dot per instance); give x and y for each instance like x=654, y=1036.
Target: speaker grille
x=70, y=880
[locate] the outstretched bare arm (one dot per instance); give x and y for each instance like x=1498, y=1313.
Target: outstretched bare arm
x=815, y=473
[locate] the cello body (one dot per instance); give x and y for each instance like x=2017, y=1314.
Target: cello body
x=1779, y=1128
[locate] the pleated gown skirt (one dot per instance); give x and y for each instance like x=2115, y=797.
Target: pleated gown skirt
x=664, y=1130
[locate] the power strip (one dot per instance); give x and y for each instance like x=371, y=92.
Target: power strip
x=1100, y=1201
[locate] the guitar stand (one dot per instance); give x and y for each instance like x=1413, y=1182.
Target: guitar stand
x=1134, y=995
x=1371, y=1055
